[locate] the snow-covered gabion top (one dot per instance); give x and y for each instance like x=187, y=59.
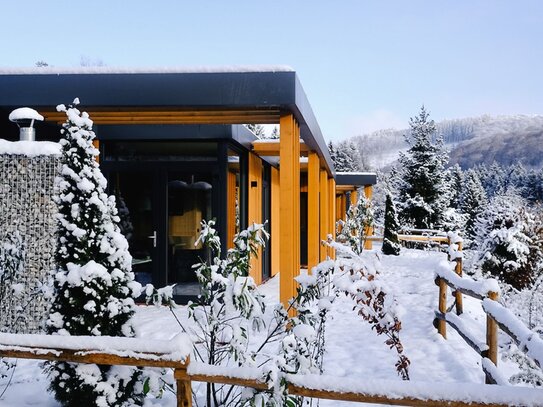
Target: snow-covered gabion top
x=25, y=113
x=51, y=70
x=29, y=148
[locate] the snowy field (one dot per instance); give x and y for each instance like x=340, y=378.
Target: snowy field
x=353, y=349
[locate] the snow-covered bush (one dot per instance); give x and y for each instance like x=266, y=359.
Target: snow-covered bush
x=93, y=286
x=230, y=310
x=354, y=229
x=358, y=277
x=507, y=241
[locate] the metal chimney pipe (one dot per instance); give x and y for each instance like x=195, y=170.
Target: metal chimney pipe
x=27, y=133
x=24, y=117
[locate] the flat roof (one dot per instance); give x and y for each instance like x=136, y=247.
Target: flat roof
x=263, y=87
x=356, y=178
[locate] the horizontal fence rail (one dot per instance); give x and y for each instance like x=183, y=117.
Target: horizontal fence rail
x=497, y=316
x=315, y=386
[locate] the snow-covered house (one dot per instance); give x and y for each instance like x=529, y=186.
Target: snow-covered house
x=174, y=150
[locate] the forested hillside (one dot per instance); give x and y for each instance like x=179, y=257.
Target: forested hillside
x=471, y=141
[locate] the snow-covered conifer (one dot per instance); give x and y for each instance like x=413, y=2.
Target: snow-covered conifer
x=454, y=185
x=391, y=243
x=422, y=189
x=94, y=287
x=472, y=201
x=345, y=156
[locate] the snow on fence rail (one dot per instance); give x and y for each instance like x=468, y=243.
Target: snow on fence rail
x=374, y=391
x=105, y=350
x=155, y=353
x=488, y=292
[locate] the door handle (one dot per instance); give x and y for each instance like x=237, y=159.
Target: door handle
x=153, y=236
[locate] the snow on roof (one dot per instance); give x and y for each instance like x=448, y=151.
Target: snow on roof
x=25, y=113
x=51, y=70
x=29, y=148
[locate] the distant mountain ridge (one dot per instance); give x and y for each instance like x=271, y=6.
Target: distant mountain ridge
x=471, y=141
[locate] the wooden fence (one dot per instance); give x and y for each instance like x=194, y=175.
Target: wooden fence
x=497, y=316
x=314, y=386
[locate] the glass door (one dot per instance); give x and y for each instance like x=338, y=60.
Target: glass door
x=134, y=195
x=189, y=202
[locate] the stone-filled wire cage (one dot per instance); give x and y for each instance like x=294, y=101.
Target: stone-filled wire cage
x=27, y=237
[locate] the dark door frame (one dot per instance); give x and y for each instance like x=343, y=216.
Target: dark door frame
x=159, y=171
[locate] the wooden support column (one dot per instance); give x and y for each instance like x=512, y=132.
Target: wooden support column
x=368, y=192
x=313, y=204
x=231, y=192
x=289, y=175
x=324, y=219
x=340, y=206
x=275, y=221
x=354, y=197
x=332, y=213
x=255, y=209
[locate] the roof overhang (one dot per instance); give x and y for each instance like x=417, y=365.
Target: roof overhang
x=246, y=97
x=356, y=179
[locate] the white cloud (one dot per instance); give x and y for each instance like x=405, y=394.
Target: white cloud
x=375, y=120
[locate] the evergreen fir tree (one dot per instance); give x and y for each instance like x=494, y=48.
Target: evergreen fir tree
x=391, y=243
x=93, y=285
x=493, y=180
x=454, y=185
x=345, y=156
x=422, y=187
x=332, y=151
x=473, y=201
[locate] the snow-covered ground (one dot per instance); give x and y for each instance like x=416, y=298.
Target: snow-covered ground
x=353, y=349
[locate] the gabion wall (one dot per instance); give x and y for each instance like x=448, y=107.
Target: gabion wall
x=26, y=206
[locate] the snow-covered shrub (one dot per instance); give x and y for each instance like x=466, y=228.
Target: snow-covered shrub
x=358, y=277
x=230, y=309
x=507, y=241
x=93, y=286
x=359, y=218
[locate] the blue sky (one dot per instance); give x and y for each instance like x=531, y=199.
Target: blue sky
x=364, y=65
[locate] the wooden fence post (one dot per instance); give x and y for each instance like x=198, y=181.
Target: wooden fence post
x=184, y=387
x=458, y=294
x=441, y=323
x=492, y=336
